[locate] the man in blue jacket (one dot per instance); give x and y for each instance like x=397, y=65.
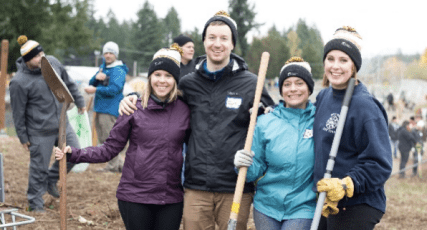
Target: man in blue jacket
x=107, y=84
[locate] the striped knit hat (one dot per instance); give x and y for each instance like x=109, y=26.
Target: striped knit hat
x=29, y=48
x=167, y=59
x=347, y=40
x=296, y=67
x=224, y=17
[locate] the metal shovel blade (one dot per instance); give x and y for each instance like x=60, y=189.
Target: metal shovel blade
x=55, y=83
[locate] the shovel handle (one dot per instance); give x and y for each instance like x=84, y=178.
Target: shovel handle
x=235, y=208
x=63, y=166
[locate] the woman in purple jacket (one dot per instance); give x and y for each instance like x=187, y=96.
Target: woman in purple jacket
x=150, y=194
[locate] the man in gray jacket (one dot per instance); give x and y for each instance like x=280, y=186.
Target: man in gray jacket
x=36, y=114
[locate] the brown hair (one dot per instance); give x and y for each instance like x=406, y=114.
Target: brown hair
x=173, y=94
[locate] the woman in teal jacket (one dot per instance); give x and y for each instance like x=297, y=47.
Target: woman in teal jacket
x=282, y=157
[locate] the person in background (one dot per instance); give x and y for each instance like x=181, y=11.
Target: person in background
x=418, y=131
x=407, y=141
x=187, y=46
x=393, y=127
x=355, y=194
x=150, y=194
x=281, y=162
x=220, y=93
x=108, y=84
x=36, y=116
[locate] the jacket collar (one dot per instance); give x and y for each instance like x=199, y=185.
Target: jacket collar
x=235, y=65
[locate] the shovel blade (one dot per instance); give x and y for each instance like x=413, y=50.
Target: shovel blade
x=55, y=83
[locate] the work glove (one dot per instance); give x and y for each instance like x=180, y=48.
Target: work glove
x=329, y=208
x=243, y=158
x=336, y=188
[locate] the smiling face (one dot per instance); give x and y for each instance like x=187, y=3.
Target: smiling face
x=338, y=69
x=295, y=92
x=218, y=46
x=162, y=83
x=188, y=52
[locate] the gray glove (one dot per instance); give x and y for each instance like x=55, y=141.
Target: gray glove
x=243, y=158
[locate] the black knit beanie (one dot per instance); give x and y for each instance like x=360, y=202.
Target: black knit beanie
x=181, y=40
x=296, y=67
x=347, y=40
x=224, y=17
x=167, y=59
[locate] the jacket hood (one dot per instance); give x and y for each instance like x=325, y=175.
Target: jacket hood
x=117, y=63
x=236, y=64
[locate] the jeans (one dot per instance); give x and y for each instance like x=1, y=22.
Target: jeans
x=394, y=146
x=264, y=222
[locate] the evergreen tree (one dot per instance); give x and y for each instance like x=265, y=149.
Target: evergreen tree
x=147, y=35
x=275, y=44
x=244, y=16
x=171, y=25
x=57, y=25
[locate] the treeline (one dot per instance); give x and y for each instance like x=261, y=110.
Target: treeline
x=69, y=30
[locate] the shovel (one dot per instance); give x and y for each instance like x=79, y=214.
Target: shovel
x=63, y=95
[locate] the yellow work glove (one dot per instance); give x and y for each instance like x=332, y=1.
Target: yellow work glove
x=336, y=188
x=330, y=207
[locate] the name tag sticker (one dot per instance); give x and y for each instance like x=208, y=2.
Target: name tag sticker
x=233, y=102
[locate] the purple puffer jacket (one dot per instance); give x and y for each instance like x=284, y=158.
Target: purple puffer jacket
x=152, y=168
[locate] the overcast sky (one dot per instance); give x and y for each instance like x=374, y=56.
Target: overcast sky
x=386, y=26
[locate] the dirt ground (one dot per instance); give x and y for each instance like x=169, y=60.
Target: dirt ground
x=91, y=195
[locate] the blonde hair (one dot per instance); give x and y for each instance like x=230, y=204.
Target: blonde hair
x=325, y=81
x=173, y=94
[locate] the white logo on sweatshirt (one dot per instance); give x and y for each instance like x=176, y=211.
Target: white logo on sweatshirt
x=332, y=123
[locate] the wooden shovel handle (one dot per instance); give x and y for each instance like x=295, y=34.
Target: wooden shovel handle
x=248, y=144
x=63, y=166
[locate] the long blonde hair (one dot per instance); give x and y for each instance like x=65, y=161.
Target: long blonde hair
x=173, y=94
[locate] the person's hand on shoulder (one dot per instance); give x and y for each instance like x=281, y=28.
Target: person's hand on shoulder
x=128, y=105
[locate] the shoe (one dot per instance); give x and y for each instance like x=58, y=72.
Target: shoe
x=52, y=189
x=37, y=209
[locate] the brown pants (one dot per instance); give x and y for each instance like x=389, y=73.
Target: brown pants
x=104, y=123
x=202, y=210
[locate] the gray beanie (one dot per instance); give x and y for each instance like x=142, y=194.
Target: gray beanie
x=111, y=47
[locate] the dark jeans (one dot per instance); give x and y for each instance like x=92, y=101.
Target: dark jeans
x=357, y=217
x=403, y=160
x=151, y=216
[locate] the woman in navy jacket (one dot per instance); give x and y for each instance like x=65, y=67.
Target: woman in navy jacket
x=150, y=194
x=355, y=193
